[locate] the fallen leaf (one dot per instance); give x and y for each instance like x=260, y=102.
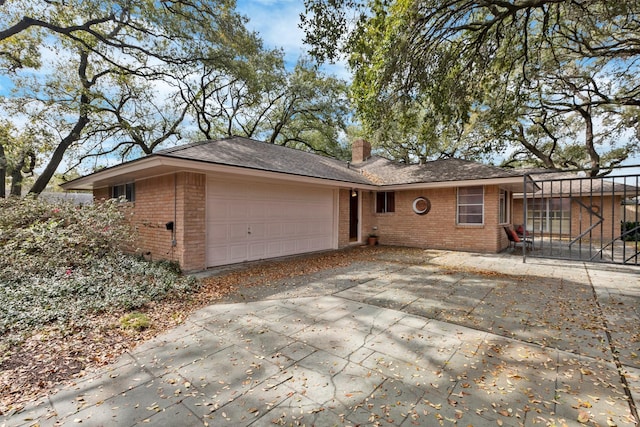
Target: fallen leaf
x=583, y=417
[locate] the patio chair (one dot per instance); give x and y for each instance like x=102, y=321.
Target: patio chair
x=521, y=231
x=515, y=240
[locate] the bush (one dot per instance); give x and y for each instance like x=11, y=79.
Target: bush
x=41, y=236
x=61, y=263
x=633, y=235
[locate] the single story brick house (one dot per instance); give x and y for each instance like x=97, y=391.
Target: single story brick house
x=236, y=199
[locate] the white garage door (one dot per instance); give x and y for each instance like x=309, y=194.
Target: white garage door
x=248, y=221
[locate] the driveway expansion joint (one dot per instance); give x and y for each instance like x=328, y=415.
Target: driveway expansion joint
x=518, y=347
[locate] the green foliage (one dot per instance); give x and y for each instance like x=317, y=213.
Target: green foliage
x=61, y=263
x=533, y=80
x=303, y=108
x=135, y=321
x=105, y=77
x=633, y=230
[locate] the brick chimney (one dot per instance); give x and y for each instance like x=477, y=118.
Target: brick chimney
x=360, y=151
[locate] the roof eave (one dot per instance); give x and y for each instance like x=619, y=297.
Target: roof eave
x=155, y=165
x=510, y=182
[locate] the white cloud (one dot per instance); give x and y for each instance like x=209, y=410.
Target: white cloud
x=277, y=23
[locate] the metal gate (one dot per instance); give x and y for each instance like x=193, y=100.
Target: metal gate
x=570, y=215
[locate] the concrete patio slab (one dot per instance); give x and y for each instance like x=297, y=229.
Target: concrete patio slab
x=433, y=338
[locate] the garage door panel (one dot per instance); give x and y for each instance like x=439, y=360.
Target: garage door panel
x=288, y=247
x=238, y=253
x=289, y=229
x=217, y=209
x=257, y=231
x=275, y=230
x=276, y=248
x=236, y=232
x=218, y=232
x=303, y=245
x=256, y=220
x=255, y=211
x=257, y=250
x=217, y=255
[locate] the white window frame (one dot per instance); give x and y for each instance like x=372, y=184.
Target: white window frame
x=459, y=205
x=503, y=207
x=385, y=207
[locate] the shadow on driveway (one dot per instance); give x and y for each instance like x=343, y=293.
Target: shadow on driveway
x=401, y=337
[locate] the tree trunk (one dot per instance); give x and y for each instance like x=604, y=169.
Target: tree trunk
x=16, y=181
x=3, y=173
x=73, y=136
x=594, y=157
x=58, y=155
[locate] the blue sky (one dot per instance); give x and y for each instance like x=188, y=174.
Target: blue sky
x=276, y=21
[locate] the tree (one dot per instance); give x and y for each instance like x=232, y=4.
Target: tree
x=302, y=108
x=526, y=76
x=82, y=69
x=17, y=156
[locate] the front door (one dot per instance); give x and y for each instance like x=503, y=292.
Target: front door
x=353, y=216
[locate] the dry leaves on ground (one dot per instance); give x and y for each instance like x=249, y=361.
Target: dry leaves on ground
x=55, y=356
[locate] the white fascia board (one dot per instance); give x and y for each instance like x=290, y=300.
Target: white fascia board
x=162, y=165
x=448, y=184
x=112, y=174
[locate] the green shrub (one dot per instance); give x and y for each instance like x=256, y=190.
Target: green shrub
x=633, y=235
x=61, y=263
x=42, y=236
x=135, y=321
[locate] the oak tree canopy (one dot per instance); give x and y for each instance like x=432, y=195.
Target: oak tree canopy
x=552, y=83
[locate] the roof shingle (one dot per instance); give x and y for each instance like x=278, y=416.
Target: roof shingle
x=386, y=172
x=252, y=154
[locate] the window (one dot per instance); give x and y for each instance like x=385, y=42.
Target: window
x=385, y=202
x=504, y=207
x=549, y=215
x=471, y=205
x=126, y=191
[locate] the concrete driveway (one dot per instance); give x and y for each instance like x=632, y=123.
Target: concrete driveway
x=408, y=338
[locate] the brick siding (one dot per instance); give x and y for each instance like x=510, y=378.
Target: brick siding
x=181, y=198
x=438, y=228
x=344, y=197
x=178, y=198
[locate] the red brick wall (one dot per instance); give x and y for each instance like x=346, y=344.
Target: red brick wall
x=344, y=197
x=438, y=228
x=156, y=199
x=179, y=198
x=152, y=209
x=101, y=194
x=191, y=226
x=609, y=208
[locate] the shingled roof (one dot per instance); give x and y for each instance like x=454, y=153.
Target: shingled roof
x=386, y=172
x=252, y=154
x=571, y=183
x=249, y=154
